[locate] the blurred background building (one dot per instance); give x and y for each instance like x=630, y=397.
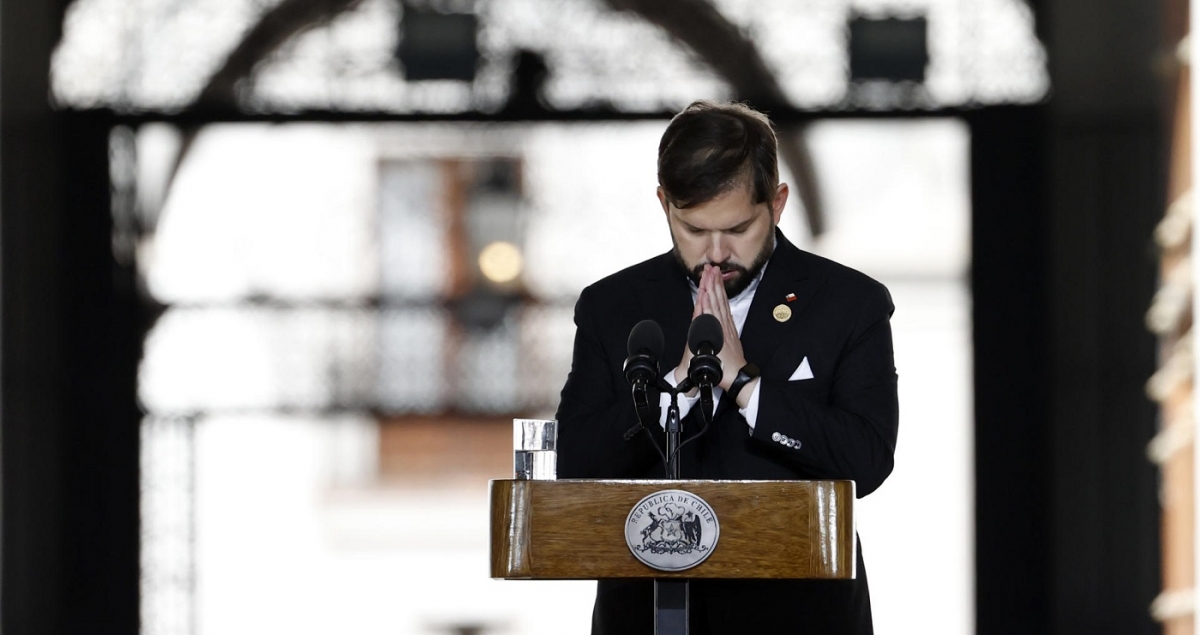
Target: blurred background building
x=276, y=275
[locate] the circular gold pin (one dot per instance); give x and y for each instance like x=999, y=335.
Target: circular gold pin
x=782, y=313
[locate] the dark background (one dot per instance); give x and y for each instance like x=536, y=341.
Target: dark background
x=1065, y=197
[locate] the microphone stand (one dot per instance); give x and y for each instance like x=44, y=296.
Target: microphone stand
x=674, y=425
x=671, y=596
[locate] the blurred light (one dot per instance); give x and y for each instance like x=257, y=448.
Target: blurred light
x=501, y=262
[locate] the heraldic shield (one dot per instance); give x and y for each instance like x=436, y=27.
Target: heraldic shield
x=672, y=530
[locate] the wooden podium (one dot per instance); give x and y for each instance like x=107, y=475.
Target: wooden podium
x=575, y=530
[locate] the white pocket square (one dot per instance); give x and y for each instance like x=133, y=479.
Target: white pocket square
x=803, y=371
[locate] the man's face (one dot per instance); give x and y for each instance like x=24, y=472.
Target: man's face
x=729, y=231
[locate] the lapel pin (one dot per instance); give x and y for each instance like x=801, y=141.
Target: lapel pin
x=782, y=313
x=791, y=297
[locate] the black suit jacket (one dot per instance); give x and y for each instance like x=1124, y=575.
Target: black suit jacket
x=839, y=424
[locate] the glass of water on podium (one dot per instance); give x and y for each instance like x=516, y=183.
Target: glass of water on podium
x=535, y=445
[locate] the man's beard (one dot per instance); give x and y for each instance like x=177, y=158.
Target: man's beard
x=736, y=285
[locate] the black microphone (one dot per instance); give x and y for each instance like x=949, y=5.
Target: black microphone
x=705, y=340
x=645, y=346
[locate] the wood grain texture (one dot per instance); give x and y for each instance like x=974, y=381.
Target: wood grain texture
x=575, y=529
x=510, y=529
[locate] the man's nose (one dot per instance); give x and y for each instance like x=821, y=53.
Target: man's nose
x=718, y=250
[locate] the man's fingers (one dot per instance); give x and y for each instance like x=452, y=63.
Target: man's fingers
x=714, y=291
x=718, y=301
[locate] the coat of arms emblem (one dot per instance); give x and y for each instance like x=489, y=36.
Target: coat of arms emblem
x=671, y=530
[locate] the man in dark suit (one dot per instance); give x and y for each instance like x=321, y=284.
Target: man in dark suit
x=809, y=385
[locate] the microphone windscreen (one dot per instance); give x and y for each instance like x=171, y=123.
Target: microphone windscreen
x=646, y=336
x=705, y=328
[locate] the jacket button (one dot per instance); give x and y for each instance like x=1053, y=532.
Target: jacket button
x=776, y=436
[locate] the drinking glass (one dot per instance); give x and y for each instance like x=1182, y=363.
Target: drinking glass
x=535, y=444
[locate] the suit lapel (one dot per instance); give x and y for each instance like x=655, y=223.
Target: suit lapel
x=787, y=273
x=763, y=335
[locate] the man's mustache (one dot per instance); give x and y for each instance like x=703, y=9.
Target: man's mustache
x=725, y=267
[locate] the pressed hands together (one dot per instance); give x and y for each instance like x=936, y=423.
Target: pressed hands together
x=711, y=299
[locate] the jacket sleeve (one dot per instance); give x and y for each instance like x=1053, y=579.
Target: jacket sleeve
x=852, y=435
x=595, y=410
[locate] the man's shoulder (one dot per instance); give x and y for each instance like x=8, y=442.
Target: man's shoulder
x=651, y=269
x=825, y=267
x=839, y=279
x=838, y=271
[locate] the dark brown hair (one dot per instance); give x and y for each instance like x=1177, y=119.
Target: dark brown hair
x=710, y=148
